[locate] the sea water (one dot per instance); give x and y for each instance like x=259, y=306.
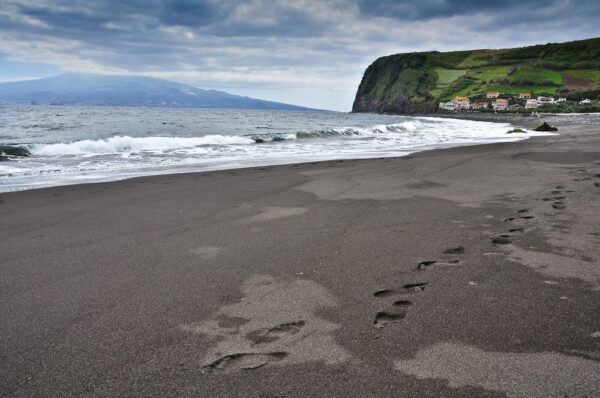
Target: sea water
x=90, y=144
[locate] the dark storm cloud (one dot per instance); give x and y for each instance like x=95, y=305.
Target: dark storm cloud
x=174, y=34
x=192, y=13
x=208, y=16
x=429, y=9
x=275, y=19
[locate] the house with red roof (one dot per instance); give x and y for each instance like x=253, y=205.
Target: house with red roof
x=480, y=104
x=501, y=104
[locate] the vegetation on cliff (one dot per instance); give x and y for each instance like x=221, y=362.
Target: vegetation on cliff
x=417, y=82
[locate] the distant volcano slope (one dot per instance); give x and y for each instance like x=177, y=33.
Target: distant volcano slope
x=108, y=90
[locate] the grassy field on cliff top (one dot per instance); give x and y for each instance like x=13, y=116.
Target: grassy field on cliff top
x=549, y=73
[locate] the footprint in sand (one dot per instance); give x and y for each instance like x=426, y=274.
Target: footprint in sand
x=402, y=303
x=588, y=175
x=382, y=318
x=262, y=336
x=274, y=322
x=406, y=289
x=511, y=219
x=400, y=306
x=503, y=239
x=558, y=198
x=245, y=361
x=423, y=265
x=455, y=250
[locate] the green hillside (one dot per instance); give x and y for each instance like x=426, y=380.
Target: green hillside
x=417, y=82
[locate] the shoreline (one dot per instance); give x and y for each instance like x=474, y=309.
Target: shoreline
x=327, y=162
x=529, y=124
x=457, y=272
x=529, y=121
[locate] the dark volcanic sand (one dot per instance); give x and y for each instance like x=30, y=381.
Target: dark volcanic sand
x=458, y=273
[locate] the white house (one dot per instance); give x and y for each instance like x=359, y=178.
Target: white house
x=561, y=99
x=501, y=104
x=492, y=94
x=545, y=101
x=449, y=106
x=531, y=104
x=462, y=102
x=586, y=101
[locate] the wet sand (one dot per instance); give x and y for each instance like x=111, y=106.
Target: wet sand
x=461, y=272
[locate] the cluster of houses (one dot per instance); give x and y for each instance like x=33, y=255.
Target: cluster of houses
x=533, y=103
x=502, y=104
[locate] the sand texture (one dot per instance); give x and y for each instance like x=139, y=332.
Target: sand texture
x=464, y=272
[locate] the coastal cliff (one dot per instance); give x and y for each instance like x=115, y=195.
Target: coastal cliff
x=417, y=82
x=399, y=83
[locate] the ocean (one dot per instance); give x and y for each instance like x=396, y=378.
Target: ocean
x=71, y=145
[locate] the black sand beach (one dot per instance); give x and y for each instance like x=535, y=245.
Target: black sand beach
x=461, y=272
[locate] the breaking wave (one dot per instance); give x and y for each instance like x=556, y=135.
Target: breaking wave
x=346, y=132
x=126, y=144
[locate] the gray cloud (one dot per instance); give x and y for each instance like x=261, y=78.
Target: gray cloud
x=283, y=49
x=428, y=9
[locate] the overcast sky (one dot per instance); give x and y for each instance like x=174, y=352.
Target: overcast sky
x=306, y=52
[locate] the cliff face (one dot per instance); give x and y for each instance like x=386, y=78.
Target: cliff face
x=396, y=84
x=417, y=82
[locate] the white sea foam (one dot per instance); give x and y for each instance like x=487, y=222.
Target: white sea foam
x=126, y=144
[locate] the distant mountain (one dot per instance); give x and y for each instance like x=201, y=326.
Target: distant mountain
x=417, y=82
x=105, y=90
